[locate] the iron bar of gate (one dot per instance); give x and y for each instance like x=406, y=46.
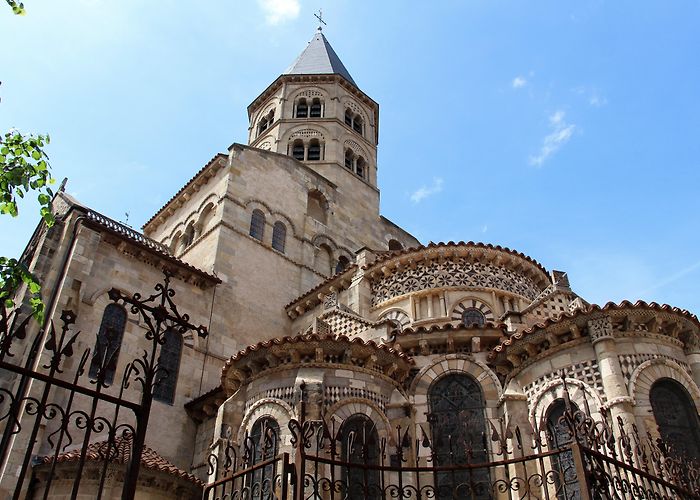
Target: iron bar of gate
x=159, y=313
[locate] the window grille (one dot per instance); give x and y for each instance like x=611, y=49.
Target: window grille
x=473, y=317
x=677, y=418
x=458, y=428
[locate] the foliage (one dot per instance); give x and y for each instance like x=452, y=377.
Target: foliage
x=17, y=7
x=24, y=167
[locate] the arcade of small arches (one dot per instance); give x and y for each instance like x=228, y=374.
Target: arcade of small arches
x=199, y=223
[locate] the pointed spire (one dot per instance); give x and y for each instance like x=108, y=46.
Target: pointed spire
x=319, y=58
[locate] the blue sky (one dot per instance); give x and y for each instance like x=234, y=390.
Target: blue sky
x=568, y=130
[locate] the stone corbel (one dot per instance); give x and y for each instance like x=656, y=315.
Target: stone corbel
x=600, y=329
x=514, y=360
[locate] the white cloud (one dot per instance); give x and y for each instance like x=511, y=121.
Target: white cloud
x=484, y=228
x=597, y=101
x=279, y=11
x=591, y=94
x=519, y=82
x=425, y=191
x=555, y=140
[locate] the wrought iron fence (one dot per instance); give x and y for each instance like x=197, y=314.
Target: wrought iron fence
x=45, y=402
x=589, y=462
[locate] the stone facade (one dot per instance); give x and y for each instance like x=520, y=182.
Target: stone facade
x=347, y=311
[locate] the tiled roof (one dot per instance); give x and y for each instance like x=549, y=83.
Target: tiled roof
x=593, y=308
x=143, y=241
x=120, y=452
x=319, y=58
x=313, y=337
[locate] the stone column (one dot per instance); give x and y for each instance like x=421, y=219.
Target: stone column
x=619, y=402
x=691, y=348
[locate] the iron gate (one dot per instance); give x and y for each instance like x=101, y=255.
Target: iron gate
x=39, y=390
x=591, y=462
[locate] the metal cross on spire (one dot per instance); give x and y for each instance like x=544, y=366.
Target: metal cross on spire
x=319, y=16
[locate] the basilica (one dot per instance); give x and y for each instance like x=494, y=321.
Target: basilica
x=310, y=295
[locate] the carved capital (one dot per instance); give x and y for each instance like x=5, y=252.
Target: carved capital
x=600, y=328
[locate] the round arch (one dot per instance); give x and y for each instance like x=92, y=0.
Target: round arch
x=580, y=393
x=342, y=410
x=644, y=376
x=458, y=363
x=268, y=407
x=470, y=302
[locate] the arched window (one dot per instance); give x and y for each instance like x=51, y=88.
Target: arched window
x=263, y=441
x=360, y=167
x=175, y=243
x=324, y=259
x=257, y=224
x=395, y=245
x=360, y=445
x=314, y=150
x=109, y=341
x=458, y=424
x=266, y=121
x=342, y=265
x=316, y=206
x=279, y=236
x=302, y=109
x=188, y=237
x=473, y=317
x=169, y=359
x=206, y=217
x=677, y=418
x=298, y=150
x=354, y=121
x=349, y=159
x=563, y=464
x=316, y=110
x=357, y=124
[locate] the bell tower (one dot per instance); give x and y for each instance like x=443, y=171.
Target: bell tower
x=316, y=113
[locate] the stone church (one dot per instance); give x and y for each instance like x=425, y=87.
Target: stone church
x=278, y=247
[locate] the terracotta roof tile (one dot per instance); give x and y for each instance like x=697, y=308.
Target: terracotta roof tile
x=120, y=452
x=141, y=240
x=593, y=308
x=312, y=337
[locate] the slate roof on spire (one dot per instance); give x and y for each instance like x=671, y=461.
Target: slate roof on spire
x=319, y=58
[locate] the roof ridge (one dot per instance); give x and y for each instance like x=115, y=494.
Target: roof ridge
x=319, y=58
